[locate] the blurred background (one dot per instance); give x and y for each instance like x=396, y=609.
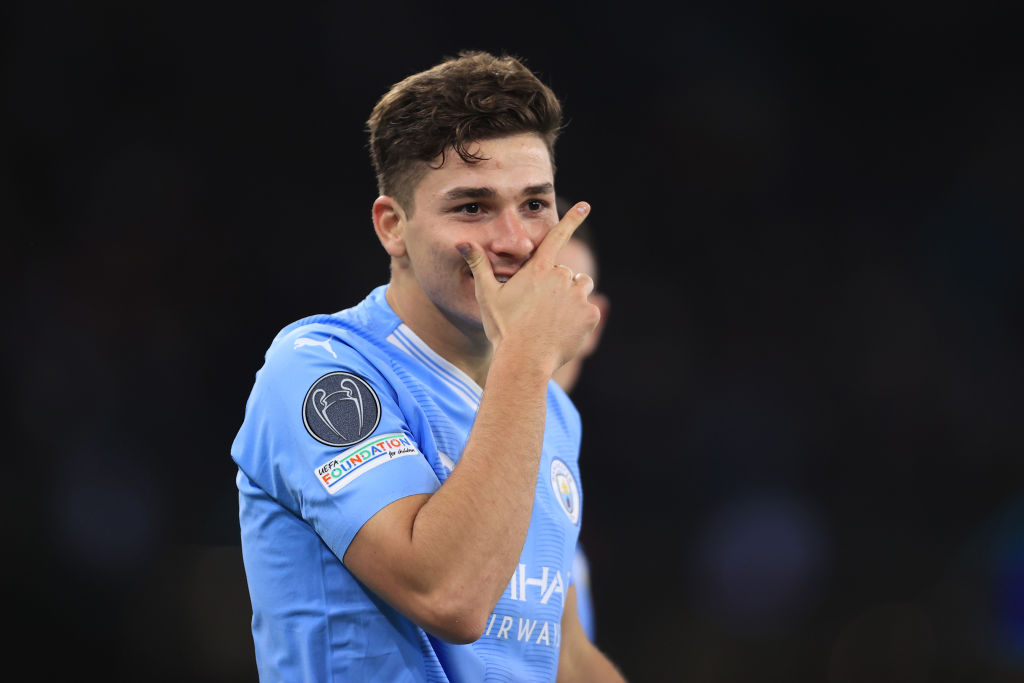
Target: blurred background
x=802, y=455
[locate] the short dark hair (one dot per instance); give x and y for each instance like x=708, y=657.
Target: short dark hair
x=475, y=96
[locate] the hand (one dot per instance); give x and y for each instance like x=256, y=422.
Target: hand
x=542, y=310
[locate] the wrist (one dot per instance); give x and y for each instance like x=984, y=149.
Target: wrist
x=518, y=361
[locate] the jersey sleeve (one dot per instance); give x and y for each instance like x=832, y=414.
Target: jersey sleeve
x=324, y=436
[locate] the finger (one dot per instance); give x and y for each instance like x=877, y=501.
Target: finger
x=567, y=269
x=585, y=281
x=480, y=266
x=560, y=234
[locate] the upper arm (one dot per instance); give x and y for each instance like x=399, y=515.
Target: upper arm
x=378, y=555
x=326, y=437
x=384, y=557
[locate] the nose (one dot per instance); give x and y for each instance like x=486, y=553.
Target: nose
x=511, y=236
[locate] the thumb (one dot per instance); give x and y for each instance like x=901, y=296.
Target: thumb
x=480, y=265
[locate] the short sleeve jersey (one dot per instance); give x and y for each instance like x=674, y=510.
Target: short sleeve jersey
x=349, y=413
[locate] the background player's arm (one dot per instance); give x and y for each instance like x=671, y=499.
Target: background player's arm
x=444, y=559
x=578, y=658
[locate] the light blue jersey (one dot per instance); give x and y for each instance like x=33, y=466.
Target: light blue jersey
x=349, y=413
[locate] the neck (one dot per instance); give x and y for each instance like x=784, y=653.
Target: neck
x=459, y=341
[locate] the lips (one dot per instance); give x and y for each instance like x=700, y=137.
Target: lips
x=500, y=277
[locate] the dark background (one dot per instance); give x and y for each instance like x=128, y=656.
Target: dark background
x=802, y=453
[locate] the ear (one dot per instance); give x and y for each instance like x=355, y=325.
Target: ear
x=389, y=224
x=604, y=305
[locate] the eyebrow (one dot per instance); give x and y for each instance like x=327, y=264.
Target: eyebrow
x=469, y=193
x=543, y=188
x=489, y=193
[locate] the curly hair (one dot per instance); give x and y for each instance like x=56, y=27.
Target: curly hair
x=475, y=96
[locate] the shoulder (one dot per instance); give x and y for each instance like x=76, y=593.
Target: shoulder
x=314, y=368
x=324, y=385
x=353, y=340
x=316, y=346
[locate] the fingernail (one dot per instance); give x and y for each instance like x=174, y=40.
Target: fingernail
x=464, y=249
x=583, y=208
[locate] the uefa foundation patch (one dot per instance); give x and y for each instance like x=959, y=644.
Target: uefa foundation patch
x=340, y=409
x=339, y=472
x=566, y=490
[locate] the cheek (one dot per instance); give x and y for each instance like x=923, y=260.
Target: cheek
x=442, y=265
x=540, y=231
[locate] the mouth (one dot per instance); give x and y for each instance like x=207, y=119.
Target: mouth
x=500, y=278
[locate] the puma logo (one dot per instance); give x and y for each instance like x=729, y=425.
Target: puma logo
x=324, y=344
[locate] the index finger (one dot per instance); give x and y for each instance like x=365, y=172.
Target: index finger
x=553, y=242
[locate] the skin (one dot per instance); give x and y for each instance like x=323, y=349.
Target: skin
x=444, y=559
x=578, y=256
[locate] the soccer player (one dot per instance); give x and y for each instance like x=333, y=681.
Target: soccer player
x=409, y=493
x=580, y=255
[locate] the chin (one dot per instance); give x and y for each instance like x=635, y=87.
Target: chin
x=463, y=311
x=470, y=318
x=470, y=315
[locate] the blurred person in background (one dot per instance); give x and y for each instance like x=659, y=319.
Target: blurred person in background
x=409, y=493
x=580, y=254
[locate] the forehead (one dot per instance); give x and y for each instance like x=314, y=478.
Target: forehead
x=509, y=166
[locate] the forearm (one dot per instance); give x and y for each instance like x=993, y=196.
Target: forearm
x=444, y=560
x=482, y=513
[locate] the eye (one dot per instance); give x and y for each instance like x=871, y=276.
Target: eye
x=472, y=208
x=535, y=205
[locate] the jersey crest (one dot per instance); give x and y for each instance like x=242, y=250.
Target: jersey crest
x=566, y=490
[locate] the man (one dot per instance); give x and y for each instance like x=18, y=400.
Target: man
x=408, y=482
x=580, y=255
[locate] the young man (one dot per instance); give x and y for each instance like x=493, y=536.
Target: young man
x=408, y=481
